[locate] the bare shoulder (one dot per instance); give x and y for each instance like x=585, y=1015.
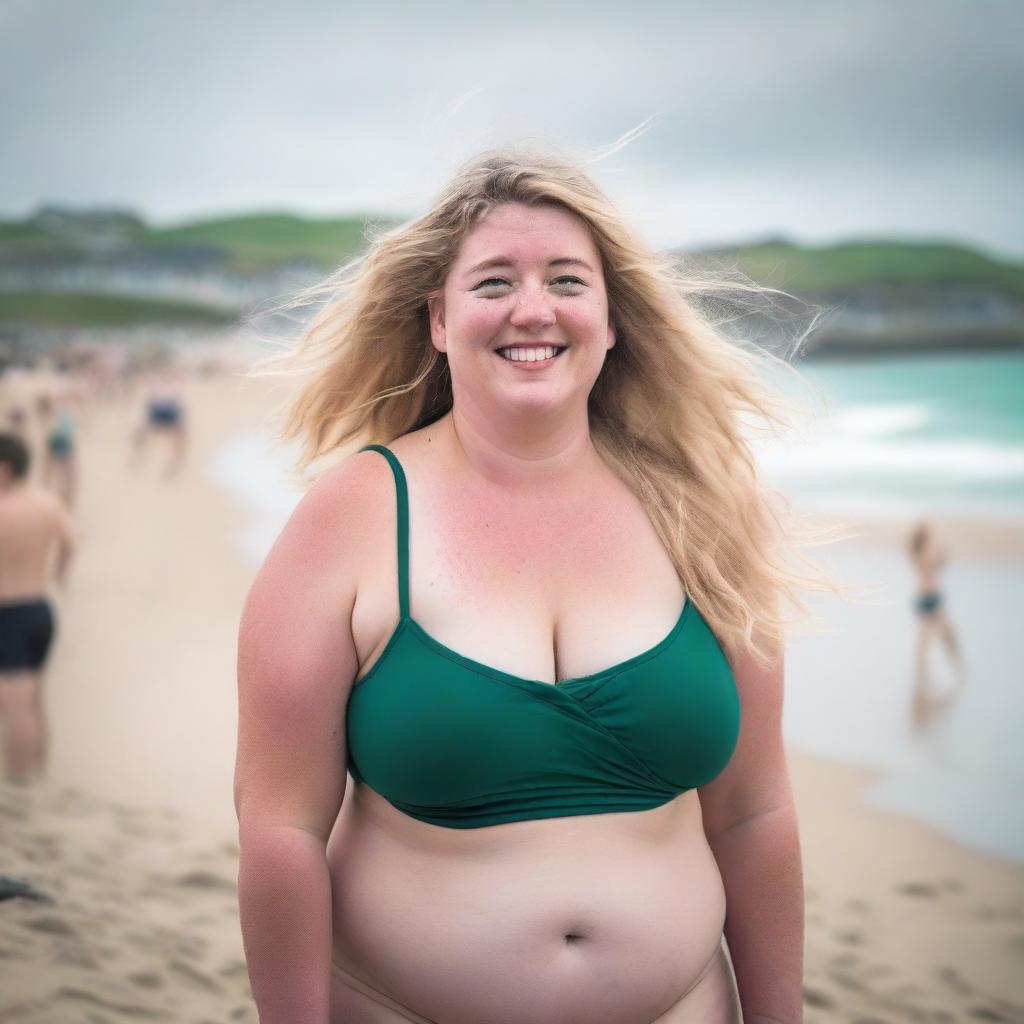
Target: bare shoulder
x=333, y=528
x=36, y=505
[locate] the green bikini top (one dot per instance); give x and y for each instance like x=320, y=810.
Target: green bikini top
x=456, y=743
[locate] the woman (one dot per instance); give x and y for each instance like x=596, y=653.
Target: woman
x=538, y=627
x=927, y=558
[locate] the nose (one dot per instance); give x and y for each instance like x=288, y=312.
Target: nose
x=533, y=309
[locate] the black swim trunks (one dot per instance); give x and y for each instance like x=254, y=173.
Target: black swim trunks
x=164, y=413
x=26, y=630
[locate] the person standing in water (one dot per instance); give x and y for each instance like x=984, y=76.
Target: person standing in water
x=933, y=621
x=36, y=538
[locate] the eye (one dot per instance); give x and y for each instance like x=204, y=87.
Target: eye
x=569, y=281
x=491, y=282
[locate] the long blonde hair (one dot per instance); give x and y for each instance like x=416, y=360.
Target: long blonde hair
x=666, y=412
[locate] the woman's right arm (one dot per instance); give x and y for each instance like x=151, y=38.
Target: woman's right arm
x=296, y=663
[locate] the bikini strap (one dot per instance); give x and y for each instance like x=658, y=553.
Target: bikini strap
x=402, y=496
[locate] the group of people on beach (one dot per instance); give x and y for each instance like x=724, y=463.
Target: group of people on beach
x=41, y=408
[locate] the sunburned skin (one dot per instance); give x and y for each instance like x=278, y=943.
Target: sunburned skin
x=612, y=917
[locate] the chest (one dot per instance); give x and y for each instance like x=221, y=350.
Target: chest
x=547, y=589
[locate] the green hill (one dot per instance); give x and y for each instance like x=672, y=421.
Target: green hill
x=261, y=241
x=249, y=243
x=894, y=265
x=73, y=309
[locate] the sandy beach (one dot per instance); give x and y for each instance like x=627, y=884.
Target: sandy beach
x=132, y=835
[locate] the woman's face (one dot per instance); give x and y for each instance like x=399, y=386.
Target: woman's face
x=523, y=313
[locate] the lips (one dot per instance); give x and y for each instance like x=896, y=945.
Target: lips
x=530, y=354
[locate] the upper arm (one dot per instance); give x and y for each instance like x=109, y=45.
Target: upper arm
x=297, y=659
x=756, y=779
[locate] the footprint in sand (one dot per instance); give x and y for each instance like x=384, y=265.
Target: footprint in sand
x=206, y=880
x=819, y=1000
x=848, y=981
x=146, y=979
x=131, y=1010
x=196, y=978
x=51, y=924
x=953, y=979
x=922, y=890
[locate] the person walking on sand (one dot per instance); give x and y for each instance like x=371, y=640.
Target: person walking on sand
x=528, y=617
x=36, y=539
x=60, y=458
x=933, y=620
x=164, y=417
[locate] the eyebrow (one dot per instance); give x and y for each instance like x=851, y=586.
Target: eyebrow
x=504, y=261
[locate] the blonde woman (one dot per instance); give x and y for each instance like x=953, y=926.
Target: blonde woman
x=537, y=623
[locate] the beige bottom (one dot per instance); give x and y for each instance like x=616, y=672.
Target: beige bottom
x=713, y=999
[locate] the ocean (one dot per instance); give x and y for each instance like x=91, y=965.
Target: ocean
x=937, y=433
x=916, y=436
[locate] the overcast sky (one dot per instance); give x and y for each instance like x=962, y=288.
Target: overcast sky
x=819, y=119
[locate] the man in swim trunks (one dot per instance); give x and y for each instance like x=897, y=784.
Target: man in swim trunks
x=36, y=538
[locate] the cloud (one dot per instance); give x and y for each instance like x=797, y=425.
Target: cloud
x=812, y=118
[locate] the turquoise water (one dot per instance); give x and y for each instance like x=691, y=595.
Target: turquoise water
x=936, y=433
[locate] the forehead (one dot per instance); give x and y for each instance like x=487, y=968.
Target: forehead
x=517, y=231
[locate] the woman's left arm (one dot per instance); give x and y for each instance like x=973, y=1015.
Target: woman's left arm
x=751, y=827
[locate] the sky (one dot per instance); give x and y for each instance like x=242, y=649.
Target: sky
x=817, y=120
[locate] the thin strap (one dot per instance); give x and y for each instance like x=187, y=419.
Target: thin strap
x=402, y=495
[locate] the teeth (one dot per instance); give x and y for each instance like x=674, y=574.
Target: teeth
x=528, y=355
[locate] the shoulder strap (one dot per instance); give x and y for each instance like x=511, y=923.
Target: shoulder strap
x=402, y=496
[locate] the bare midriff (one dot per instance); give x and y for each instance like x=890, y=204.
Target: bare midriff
x=605, y=917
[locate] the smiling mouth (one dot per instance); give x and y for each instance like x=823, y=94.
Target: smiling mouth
x=531, y=354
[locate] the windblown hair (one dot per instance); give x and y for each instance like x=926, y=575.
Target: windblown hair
x=665, y=413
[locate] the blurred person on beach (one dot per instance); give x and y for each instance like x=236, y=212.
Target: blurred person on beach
x=164, y=417
x=60, y=462
x=17, y=423
x=561, y=781
x=36, y=541
x=933, y=622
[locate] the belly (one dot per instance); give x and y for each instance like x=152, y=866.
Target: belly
x=611, y=917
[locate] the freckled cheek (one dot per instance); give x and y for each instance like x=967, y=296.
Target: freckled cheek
x=585, y=321
x=478, y=324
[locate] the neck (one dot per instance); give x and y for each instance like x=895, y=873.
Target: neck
x=522, y=450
